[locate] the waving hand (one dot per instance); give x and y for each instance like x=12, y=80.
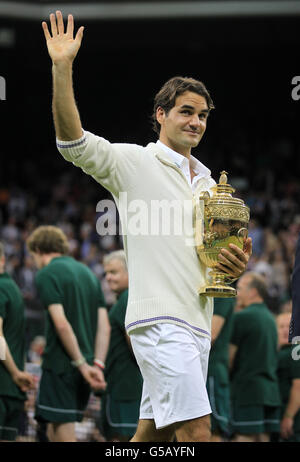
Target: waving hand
x=61, y=44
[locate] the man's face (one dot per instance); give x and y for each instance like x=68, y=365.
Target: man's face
x=243, y=291
x=183, y=127
x=116, y=275
x=283, y=325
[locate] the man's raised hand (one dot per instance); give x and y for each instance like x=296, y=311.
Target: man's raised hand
x=61, y=45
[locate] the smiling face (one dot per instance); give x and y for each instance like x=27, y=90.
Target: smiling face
x=184, y=125
x=116, y=275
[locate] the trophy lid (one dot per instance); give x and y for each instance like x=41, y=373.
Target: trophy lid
x=222, y=187
x=223, y=205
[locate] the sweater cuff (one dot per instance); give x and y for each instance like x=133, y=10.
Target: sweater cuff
x=72, y=148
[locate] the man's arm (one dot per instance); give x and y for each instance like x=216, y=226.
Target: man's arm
x=22, y=379
x=293, y=406
x=232, y=354
x=216, y=327
x=66, y=334
x=103, y=335
x=64, y=331
x=63, y=48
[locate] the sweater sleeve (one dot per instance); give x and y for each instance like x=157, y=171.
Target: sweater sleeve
x=112, y=165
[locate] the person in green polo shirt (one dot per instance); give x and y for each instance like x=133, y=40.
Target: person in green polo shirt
x=253, y=355
x=289, y=381
x=121, y=401
x=77, y=333
x=218, y=368
x=14, y=381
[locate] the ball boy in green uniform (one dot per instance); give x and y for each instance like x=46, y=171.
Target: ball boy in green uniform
x=14, y=382
x=77, y=333
x=218, y=368
x=253, y=353
x=289, y=381
x=121, y=401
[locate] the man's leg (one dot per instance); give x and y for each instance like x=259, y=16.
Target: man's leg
x=263, y=438
x=194, y=430
x=253, y=438
x=216, y=438
x=62, y=432
x=147, y=432
x=240, y=438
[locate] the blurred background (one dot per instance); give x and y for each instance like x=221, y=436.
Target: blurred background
x=246, y=52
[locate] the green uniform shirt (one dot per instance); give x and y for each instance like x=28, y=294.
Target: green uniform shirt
x=219, y=354
x=288, y=370
x=12, y=313
x=124, y=380
x=254, y=374
x=72, y=284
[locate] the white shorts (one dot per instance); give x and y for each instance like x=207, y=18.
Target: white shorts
x=173, y=362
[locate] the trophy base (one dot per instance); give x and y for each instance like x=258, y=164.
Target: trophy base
x=218, y=291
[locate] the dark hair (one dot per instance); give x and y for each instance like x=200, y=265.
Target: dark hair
x=1, y=250
x=258, y=282
x=48, y=239
x=166, y=97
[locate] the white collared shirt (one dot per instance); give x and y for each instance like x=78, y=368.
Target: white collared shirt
x=183, y=163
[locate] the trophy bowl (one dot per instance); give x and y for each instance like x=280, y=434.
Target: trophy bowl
x=225, y=221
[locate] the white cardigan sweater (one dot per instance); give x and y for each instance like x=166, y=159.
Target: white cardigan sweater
x=164, y=270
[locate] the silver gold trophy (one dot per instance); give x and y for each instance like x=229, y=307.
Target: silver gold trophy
x=225, y=222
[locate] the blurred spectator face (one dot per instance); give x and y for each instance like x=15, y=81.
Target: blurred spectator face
x=29, y=262
x=283, y=324
x=38, y=344
x=2, y=263
x=116, y=275
x=286, y=307
x=36, y=349
x=243, y=292
x=85, y=231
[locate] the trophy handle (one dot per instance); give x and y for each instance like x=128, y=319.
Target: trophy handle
x=204, y=196
x=242, y=235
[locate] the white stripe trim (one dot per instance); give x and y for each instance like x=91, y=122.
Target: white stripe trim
x=54, y=409
x=111, y=423
x=256, y=422
x=211, y=381
x=11, y=429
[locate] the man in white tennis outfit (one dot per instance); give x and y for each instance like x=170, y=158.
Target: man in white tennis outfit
x=168, y=322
